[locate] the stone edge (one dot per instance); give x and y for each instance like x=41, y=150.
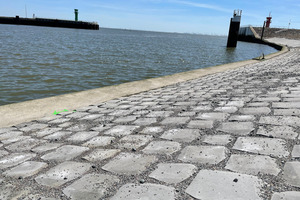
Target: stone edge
x=16, y=113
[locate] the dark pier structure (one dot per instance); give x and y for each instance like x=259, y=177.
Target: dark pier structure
x=234, y=29
x=50, y=22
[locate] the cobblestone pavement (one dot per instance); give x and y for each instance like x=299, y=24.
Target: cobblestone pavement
x=231, y=135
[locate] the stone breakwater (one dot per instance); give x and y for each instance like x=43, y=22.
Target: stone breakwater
x=230, y=135
x=278, y=32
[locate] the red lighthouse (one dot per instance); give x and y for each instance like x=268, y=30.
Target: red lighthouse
x=268, y=22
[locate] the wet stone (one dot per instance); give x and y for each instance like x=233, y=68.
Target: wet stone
x=46, y=147
x=281, y=120
x=162, y=147
x=134, y=141
x=90, y=186
x=251, y=164
x=285, y=132
x=175, y=120
x=66, y=152
x=202, y=124
x=101, y=154
x=100, y=141
x=203, y=154
x=120, y=130
x=218, y=116
x=237, y=128
x=26, y=169
x=212, y=184
x=255, y=111
x=289, y=195
x=24, y=145
x=145, y=191
x=181, y=135
x=217, y=139
x=82, y=136
x=173, y=173
x=129, y=164
x=291, y=173
x=242, y=118
x=265, y=146
x=15, y=159
x=62, y=173
x=296, y=151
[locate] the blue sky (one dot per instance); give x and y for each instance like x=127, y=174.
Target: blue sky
x=186, y=16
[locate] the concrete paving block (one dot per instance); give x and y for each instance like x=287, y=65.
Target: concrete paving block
x=46, y=131
x=252, y=164
x=99, y=141
x=152, y=130
x=201, y=124
x=24, y=145
x=173, y=173
x=162, y=147
x=242, y=118
x=101, y=154
x=286, y=104
x=291, y=112
x=62, y=174
x=255, y=110
x=265, y=146
x=46, y=147
x=289, y=195
x=227, y=109
x=82, y=136
x=129, y=164
x=203, y=154
x=291, y=173
x=281, y=120
x=236, y=128
x=58, y=135
x=181, y=135
x=175, y=120
x=217, y=116
x=66, y=152
x=285, y=132
x=134, y=141
x=15, y=159
x=3, y=153
x=91, y=187
x=10, y=134
x=145, y=191
x=26, y=169
x=217, y=139
x=296, y=151
x=121, y=130
x=235, y=104
x=212, y=184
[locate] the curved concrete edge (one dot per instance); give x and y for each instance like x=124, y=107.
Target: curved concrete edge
x=13, y=114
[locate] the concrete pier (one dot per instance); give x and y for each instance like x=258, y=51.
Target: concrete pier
x=228, y=132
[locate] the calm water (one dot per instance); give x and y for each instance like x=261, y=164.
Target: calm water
x=37, y=62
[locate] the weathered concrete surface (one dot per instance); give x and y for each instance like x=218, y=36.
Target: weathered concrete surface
x=229, y=135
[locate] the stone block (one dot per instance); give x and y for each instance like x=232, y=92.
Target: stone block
x=121, y=130
x=201, y=124
x=91, y=187
x=291, y=173
x=203, y=154
x=99, y=141
x=62, y=174
x=265, y=146
x=82, y=136
x=24, y=145
x=286, y=104
x=134, y=141
x=129, y=164
x=214, y=116
x=212, y=184
x=181, y=135
x=175, y=120
x=296, y=151
x=291, y=112
x=152, y=130
x=241, y=118
x=66, y=152
x=145, y=191
x=236, y=128
x=46, y=147
x=227, y=109
x=217, y=139
x=289, y=195
x=255, y=111
x=101, y=154
x=26, y=169
x=15, y=159
x=251, y=164
x=285, y=132
x=162, y=147
x=173, y=173
x=281, y=120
